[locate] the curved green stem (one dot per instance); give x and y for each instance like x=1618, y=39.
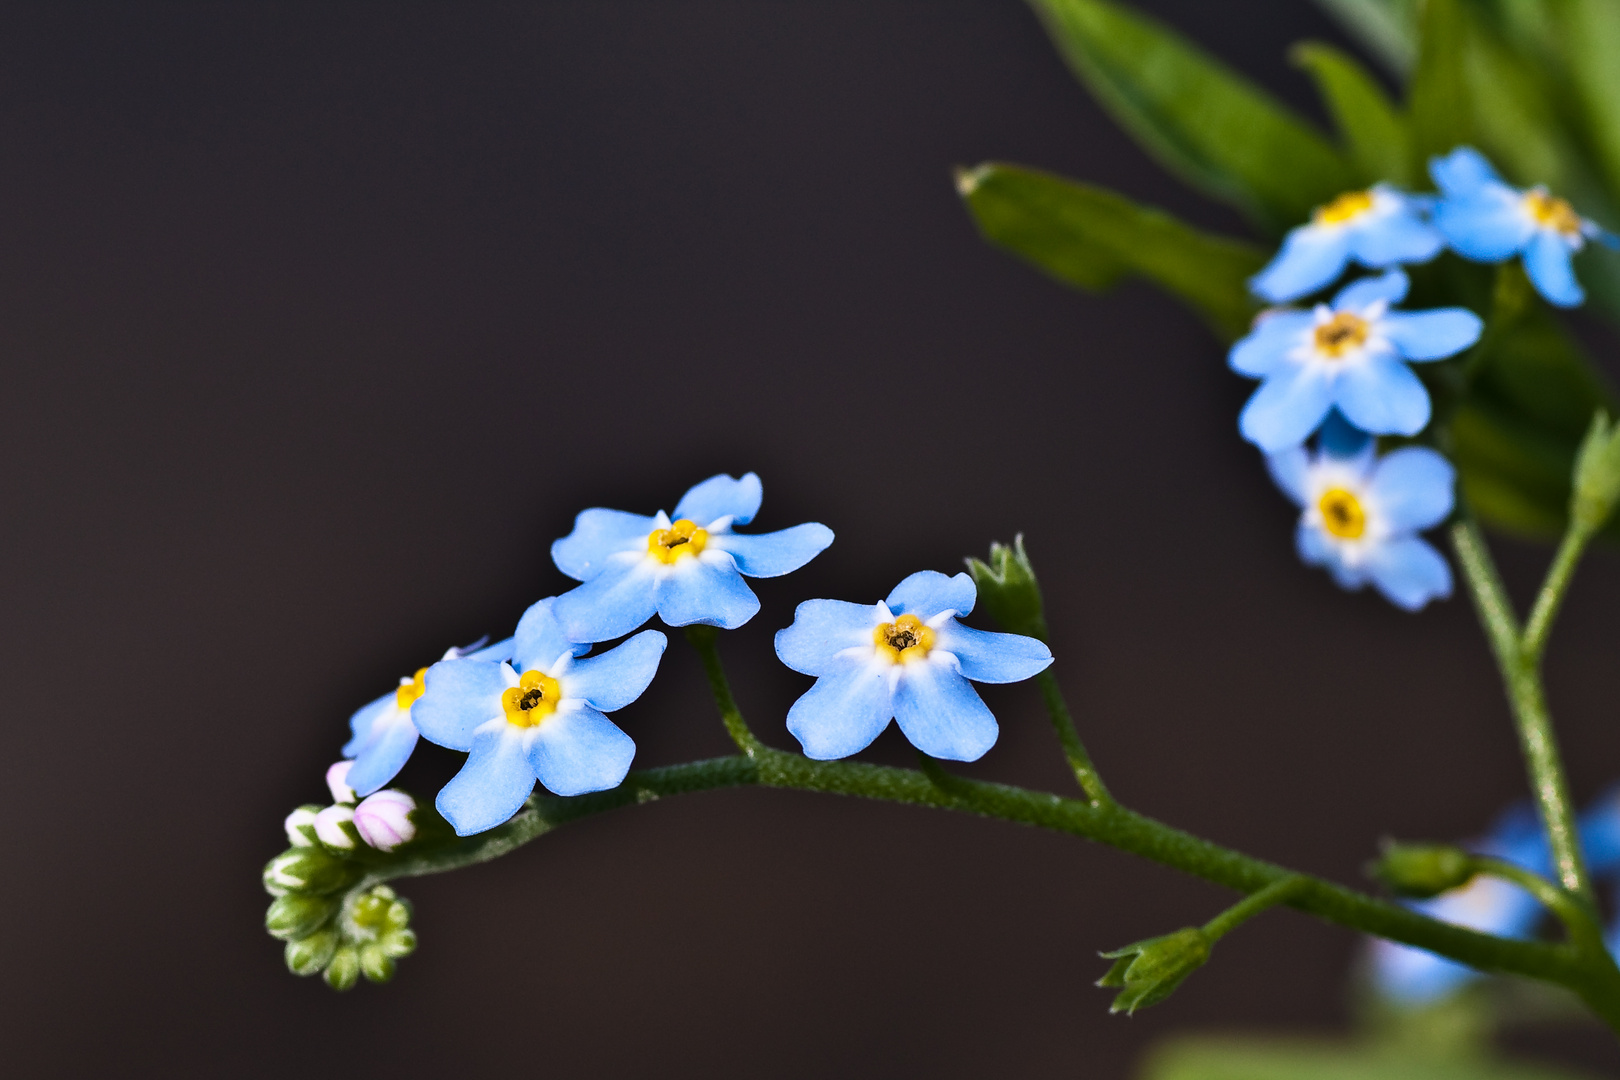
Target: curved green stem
x=1583, y=929
x=1085, y=772
x=1278, y=892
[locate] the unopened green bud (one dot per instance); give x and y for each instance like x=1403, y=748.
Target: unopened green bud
x=1420, y=871
x=1596, y=481
x=1008, y=589
x=311, y=954
x=344, y=970
x=300, y=825
x=295, y=915
x=376, y=964
x=1148, y=971
x=304, y=870
x=398, y=943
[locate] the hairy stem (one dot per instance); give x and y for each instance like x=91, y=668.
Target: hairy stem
x=1278, y=892
x=1085, y=772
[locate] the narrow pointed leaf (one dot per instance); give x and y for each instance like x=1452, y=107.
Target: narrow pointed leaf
x=1386, y=28
x=1374, y=132
x=1442, y=110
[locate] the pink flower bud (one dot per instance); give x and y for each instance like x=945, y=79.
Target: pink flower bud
x=335, y=777
x=384, y=819
x=329, y=826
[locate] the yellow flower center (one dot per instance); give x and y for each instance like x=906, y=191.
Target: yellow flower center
x=1340, y=334
x=1342, y=514
x=1553, y=213
x=680, y=539
x=1346, y=207
x=533, y=699
x=408, y=692
x=904, y=640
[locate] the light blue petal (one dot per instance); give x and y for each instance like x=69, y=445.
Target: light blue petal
x=1313, y=547
x=580, y=750
x=1409, y=572
x=1390, y=287
x=773, y=554
x=501, y=650
x=1600, y=834
x=941, y=714
x=614, y=679
x=928, y=592
x=721, y=496
x=1462, y=172
x=1415, y=977
x=821, y=630
x=1290, y=470
x=1400, y=237
x=1267, y=346
x=990, y=657
x=1339, y=438
x=1413, y=488
x=380, y=760
x=842, y=713
x=460, y=695
x=360, y=723
x=1431, y=335
x=705, y=590
x=1287, y=407
x=611, y=604
x=1547, y=262
x=598, y=533
x=1310, y=258
x=1488, y=228
x=540, y=639
x=491, y=786
x=1381, y=395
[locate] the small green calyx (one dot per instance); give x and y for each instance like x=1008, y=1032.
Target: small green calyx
x=1149, y=971
x=1596, y=482
x=1419, y=871
x=293, y=916
x=1008, y=589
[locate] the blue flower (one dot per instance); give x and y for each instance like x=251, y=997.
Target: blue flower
x=1377, y=228
x=1416, y=977
x=1352, y=355
x=689, y=570
x=906, y=658
x=1487, y=220
x=1361, y=514
x=383, y=734
x=538, y=717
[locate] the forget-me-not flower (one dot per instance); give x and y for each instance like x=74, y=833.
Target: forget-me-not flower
x=1362, y=513
x=906, y=658
x=1487, y=220
x=1378, y=228
x=1352, y=355
x=689, y=570
x=382, y=732
x=538, y=717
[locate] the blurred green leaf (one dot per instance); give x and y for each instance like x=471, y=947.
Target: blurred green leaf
x=1386, y=28
x=1202, y=120
x=1590, y=37
x=1440, y=105
x=1239, y=1058
x=1091, y=237
x=1374, y=131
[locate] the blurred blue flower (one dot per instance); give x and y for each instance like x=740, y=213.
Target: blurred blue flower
x=689, y=570
x=1362, y=513
x=1378, y=228
x=1487, y=220
x=383, y=734
x=1352, y=355
x=906, y=658
x=538, y=717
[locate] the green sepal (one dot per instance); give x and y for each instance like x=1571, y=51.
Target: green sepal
x=344, y=970
x=309, y=955
x=296, y=916
x=1202, y=120
x=375, y=963
x=1008, y=589
x=1090, y=237
x=1419, y=871
x=1597, y=475
x=310, y=870
x=1148, y=971
x=1374, y=132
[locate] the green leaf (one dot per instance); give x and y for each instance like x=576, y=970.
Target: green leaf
x=1387, y=28
x=1091, y=237
x=1440, y=103
x=1202, y=120
x=1373, y=129
x=1590, y=33
x=1237, y=1058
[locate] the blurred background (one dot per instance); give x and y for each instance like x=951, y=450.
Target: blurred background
x=320, y=322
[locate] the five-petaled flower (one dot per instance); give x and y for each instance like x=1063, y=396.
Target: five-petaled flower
x=689, y=570
x=1485, y=219
x=539, y=716
x=1361, y=513
x=1378, y=228
x=382, y=733
x=1353, y=355
x=906, y=658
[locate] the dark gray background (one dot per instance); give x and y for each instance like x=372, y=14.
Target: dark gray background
x=320, y=322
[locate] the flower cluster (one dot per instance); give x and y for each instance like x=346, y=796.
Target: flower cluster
x=1340, y=371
